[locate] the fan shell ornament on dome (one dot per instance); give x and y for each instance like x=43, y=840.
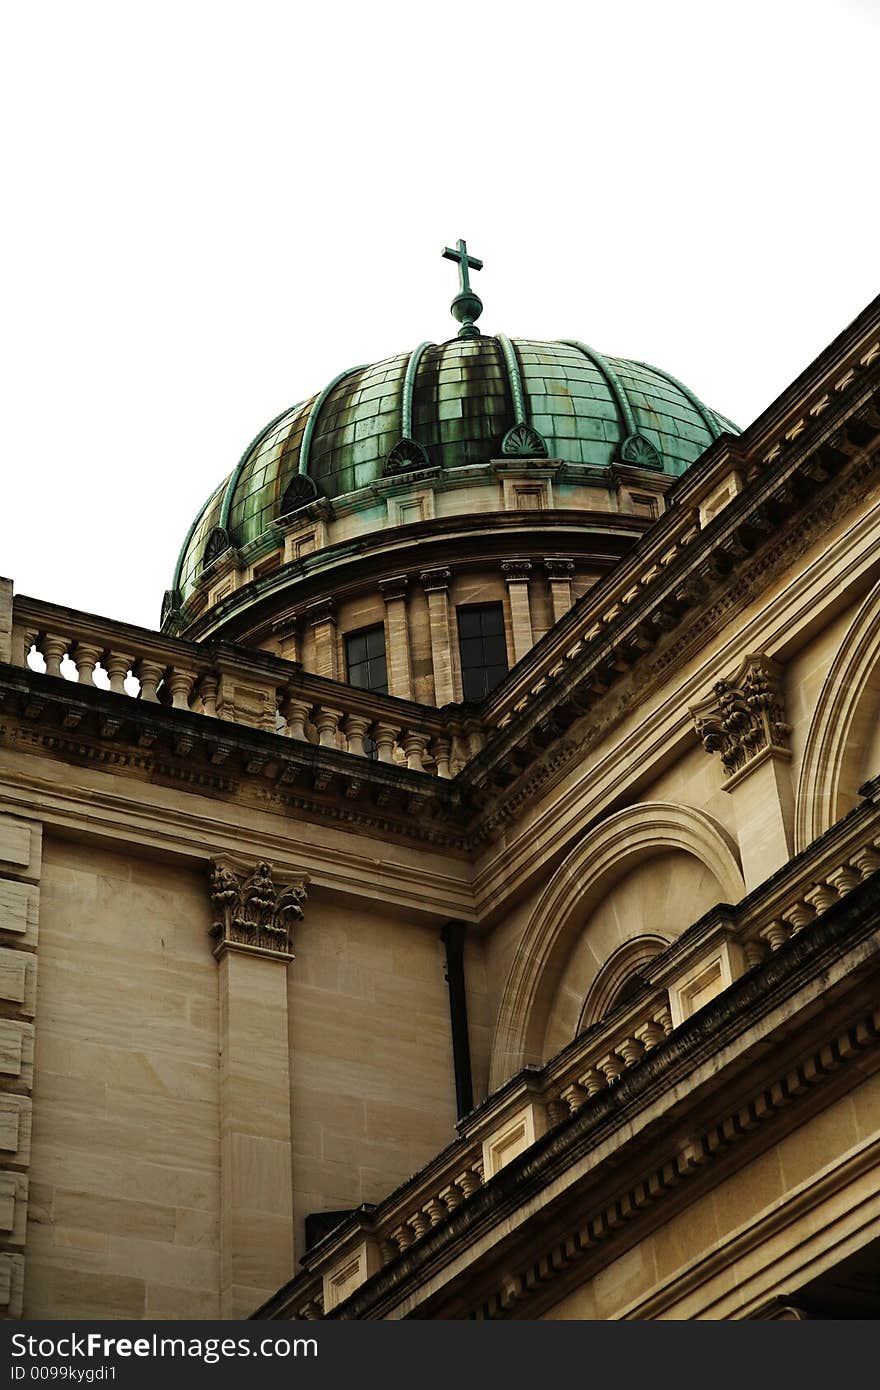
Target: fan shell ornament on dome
x=405, y=457
x=640, y=452
x=522, y=442
x=300, y=491
x=217, y=544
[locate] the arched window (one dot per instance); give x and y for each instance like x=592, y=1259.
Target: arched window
x=620, y=978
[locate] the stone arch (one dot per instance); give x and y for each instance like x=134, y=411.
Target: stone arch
x=591, y=869
x=620, y=967
x=841, y=723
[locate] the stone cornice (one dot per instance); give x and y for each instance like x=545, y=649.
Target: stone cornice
x=85, y=725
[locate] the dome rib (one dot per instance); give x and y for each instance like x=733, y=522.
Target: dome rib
x=706, y=415
x=514, y=377
x=305, y=447
x=612, y=381
x=470, y=402
x=522, y=440
x=237, y=471
x=408, y=391
x=178, y=568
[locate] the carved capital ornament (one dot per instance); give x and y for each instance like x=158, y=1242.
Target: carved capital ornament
x=745, y=716
x=253, y=912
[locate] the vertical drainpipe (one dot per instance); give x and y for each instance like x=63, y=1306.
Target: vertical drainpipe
x=453, y=940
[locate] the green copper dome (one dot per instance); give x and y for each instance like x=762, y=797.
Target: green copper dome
x=444, y=407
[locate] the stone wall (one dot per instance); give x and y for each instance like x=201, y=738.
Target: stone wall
x=125, y=1170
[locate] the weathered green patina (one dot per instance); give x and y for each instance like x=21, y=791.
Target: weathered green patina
x=446, y=406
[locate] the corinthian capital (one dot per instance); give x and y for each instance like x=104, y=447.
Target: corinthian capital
x=254, y=912
x=745, y=716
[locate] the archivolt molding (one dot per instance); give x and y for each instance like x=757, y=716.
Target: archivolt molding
x=605, y=854
x=833, y=740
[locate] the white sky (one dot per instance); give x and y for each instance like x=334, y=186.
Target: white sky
x=211, y=209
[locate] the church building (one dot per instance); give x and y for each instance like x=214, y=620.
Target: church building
x=466, y=904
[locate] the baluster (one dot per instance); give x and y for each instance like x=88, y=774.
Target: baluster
x=414, y=746
x=593, y=1080
x=476, y=739
x=117, y=665
x=149, y=673
x=867, y=861
x=574, y=1096
x=326, y=721
x=403, y=1236
x=468, y=1181
x=650, y=1034
x=775, y=933
x=441, y=749
x=54, y=651
x=385, y=737
x=23, y=638
x=459, y=755
x=180, y=683
x=631, y=1050
x=435, y=1210
x=208, y=687
x=755, y=952
x=612, y=1065
x=452, y=1196
x=356, y=726
x=844, y=879
x=85, y=657
x=297, y=712
x=821, y=896
x=387, y=1250
x=664, y=1018
x=798, y=916
x=419, y=1224
x=557, y=1111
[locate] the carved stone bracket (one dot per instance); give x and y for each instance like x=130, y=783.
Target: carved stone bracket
x=745, y=716
x=254, y=913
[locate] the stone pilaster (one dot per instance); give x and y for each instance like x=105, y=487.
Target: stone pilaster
x=287, y=639
x=322, y=617
x=20, y=859
x=6, y=620
x=254, y=918
x=517, y=574
x=559, y=575
x=743, y=720
x=397, y=633
x=436, y=586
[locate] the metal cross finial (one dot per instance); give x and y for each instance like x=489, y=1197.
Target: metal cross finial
x=465, y=262
x=466, y=306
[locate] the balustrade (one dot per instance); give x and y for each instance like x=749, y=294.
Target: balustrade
x=252, y=689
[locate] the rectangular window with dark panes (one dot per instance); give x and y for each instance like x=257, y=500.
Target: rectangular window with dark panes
x=483, y=648
x=365, y=659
